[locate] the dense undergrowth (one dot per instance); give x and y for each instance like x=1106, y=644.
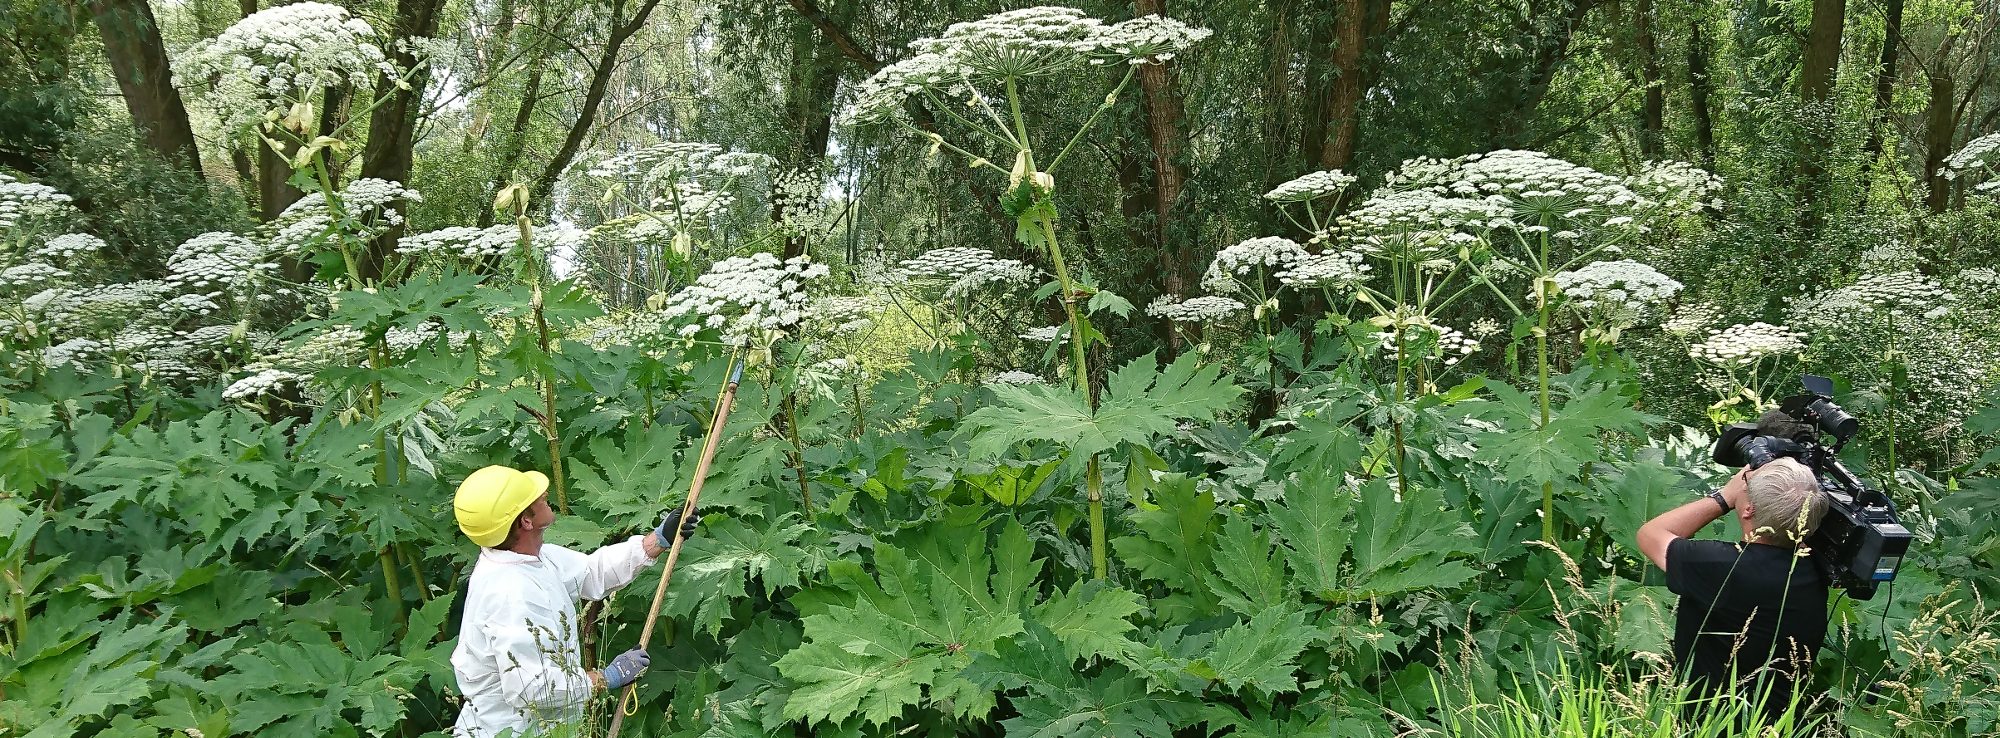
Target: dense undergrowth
x=224, y=492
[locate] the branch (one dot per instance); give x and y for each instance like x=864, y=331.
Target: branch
x=839, y=36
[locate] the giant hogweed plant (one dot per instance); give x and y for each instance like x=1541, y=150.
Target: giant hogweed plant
x=982, y=67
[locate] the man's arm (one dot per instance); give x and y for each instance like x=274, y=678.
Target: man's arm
x=1684, y=521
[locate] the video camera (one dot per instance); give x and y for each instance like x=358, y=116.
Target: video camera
x=1860, y=543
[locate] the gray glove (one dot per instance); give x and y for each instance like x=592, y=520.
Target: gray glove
x=672, y=521
x=626, y=668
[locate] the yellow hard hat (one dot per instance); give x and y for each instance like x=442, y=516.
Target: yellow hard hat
x=489, y=500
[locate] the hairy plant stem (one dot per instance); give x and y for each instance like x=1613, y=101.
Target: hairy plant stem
x=1542, y=371
x=798, y=452
x=1078, y=336
x=549, y=429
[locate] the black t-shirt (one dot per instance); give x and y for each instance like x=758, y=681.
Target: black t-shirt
x=1749, y=614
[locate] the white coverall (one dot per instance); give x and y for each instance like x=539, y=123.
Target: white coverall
x=518, y=662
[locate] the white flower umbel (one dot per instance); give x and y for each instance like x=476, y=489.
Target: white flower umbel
x=30, y=275
x=1016, y=45
x=217, y=261
x=1898, y=295
x=28, y=204
x=1147, y=39
x=69, y=246
x=1200, y=309
x=1613, y=285
x=258, y=384
x=1691, y=319
x=1744, y=344
x=842, y=314
x=1312, y=186
x=1677, y=186
x=1536, y=185
x=1045, y=334
x=1328, y=269
x=76, y=351
x=367, y=199
x=1016, y=378
x=1236, y=266
x=1975, y=159
x=745, y=296
x=967, y=270
x=282, y=55
x=1432, y=340
x=479, y=245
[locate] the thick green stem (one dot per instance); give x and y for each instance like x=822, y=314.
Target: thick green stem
x=1094, y=492
x=390, y=581
x=798, y=452
x=1542, y=370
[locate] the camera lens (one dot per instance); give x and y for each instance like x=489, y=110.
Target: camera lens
x=1833, y=420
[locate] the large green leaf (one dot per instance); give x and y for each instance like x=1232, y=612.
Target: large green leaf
x=1249, y=573
x=1055, y=701
x=1263, y=652
x=1315, y=528
x=1172, y=545
x=1403, y=544
x=1525, y=450
x=932, y=604
x=1141, y=401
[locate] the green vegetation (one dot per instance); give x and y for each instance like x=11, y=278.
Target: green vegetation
x=1286, y=369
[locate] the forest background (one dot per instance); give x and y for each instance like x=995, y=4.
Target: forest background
x=1483, y=280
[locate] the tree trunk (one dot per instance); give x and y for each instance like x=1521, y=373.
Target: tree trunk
x=1653, y=110
x=514, y=144
x=1822, y=53
x=138, y=60
x=1821, y=64
x=593, y=98
x=1940, y=123
x=392, y=127
x=812, y=78
x=1343, y=106
x=1551, y=49
x=1701, y=87
x=1166, y=135
x=1885, y=81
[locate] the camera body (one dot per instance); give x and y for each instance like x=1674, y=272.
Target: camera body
x=1860, y=543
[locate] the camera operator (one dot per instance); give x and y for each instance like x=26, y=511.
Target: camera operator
x=1751, y=615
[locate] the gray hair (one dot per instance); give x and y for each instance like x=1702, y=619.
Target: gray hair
x=1787, y=500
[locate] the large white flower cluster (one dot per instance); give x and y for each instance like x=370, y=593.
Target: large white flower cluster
x=1246, y=259
x=1017, y=44
x=799, y=195
x=1199, y=309
x=258, y=384
x=281, y=55
x=1691, y=319
x=29, y=275
x=1015, y=377
x=1327, y=269
x=1743, y=344
x=968, y=269
x=1420, y=211
x=1897, y=294
x=1615, y=284
x=1443, y=342
x=744, y=296
x=216, y=261
x=1978, y=156
x=69, y=246
x=28, y=202
x=368, y=198
x=1045, y=334
x=1311, y=186
x=841, y=314
x=1677, y=186
x=1535, y=178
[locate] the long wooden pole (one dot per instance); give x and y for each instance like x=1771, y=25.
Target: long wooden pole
x=629, y=703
